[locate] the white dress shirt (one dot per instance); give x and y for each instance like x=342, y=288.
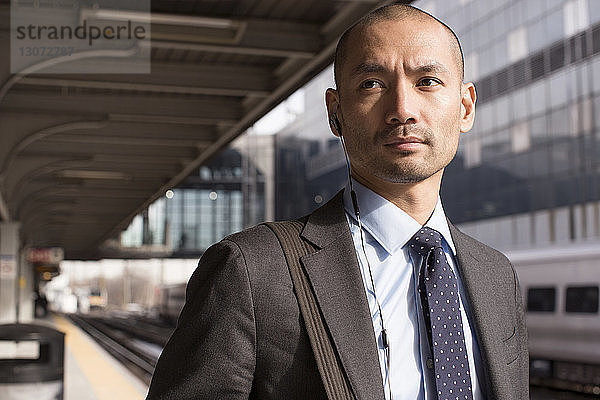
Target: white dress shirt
x=395, y=268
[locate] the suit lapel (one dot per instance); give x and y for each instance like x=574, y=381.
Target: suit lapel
x=484, y=282
x=335, y=277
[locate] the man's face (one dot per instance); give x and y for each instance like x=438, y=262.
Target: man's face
x=400, y=101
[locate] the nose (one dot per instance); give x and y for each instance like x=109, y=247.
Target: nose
x=402, y=105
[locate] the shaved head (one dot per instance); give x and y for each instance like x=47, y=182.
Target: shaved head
x=393, y=12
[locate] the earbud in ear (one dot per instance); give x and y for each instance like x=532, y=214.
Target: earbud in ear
x=335, y=123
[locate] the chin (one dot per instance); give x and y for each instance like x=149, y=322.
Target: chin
x=405, y=173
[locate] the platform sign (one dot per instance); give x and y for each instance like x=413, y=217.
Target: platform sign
x=45, y=255
x=8, y=266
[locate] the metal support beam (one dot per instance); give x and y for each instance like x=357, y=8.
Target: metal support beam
x=215, y=108
x=233, y=77
x=128, y=141
x=4, y=213
x=144, y=87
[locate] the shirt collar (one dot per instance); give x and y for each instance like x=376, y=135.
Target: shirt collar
x=388, y=224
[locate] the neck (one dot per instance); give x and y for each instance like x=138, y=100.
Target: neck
x=416, y=199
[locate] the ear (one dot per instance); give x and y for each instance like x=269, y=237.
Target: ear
x=332, y=100
x=467, y=107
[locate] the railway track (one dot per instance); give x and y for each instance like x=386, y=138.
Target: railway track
x=544, y=393
x=550, y=389
x=135, y=344
x=568, y=377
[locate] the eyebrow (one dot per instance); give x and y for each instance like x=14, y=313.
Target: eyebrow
x=367, y=68
x=431, y=67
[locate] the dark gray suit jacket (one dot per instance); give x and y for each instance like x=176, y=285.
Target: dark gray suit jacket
x=241, y=336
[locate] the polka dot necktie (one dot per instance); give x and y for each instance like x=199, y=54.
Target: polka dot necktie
x=439, y=297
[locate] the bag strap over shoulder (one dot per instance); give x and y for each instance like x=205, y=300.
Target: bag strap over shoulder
x=334, y=380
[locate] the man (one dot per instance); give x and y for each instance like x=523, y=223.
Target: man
x=400, y=106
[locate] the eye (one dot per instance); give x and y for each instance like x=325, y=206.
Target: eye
x=429, y=82
x=371, y=84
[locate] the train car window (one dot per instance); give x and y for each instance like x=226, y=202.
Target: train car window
x=541, y=299
x=582, y=299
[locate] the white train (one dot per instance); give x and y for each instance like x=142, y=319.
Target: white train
x=561, y=294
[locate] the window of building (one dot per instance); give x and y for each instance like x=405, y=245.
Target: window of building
x=537, y=97
x=541, y=299
x=472, y=152
x=594, y=11
x=485, y=89
x=559, y=123
x=554, y=21
x=559, y=89
x=517, y=44
x=535, y=9
x=540, y=162
x=586, y=78
x=577, y=47
x=575, y=78
x=562, y=159
x=582, y=299
x=500, y=54
x=557, y=56
x=487, y=116
x=539, y=130
x=516, y=13
x=575, y=16
x=471, y=67
x=495, y=145
x=502, y=110
x=536, y=35
x=581, y=117
x=520, y=105
x=519, y=74
x=486, y=61
x=481, y=30
x=520, y=138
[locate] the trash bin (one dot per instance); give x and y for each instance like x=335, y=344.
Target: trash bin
x=31, y=362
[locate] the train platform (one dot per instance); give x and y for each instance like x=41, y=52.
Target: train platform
x=90, y=372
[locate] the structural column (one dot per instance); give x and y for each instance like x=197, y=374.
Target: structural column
x=9, y=270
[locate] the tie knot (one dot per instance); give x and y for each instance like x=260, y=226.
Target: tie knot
x=425, y=240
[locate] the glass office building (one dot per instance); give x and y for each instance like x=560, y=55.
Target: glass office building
x=528, y=174
x=224, y=196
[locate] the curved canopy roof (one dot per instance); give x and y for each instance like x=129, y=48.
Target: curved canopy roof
x=82, y=154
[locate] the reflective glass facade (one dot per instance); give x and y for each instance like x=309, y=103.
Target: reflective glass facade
x=534, y=144
x=202, y=210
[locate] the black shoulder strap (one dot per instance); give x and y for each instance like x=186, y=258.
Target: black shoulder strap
x=335, y=381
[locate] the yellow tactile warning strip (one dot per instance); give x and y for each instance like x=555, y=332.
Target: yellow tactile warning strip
x=107, y=382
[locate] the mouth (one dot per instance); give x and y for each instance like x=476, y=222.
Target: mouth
x=405, y=143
